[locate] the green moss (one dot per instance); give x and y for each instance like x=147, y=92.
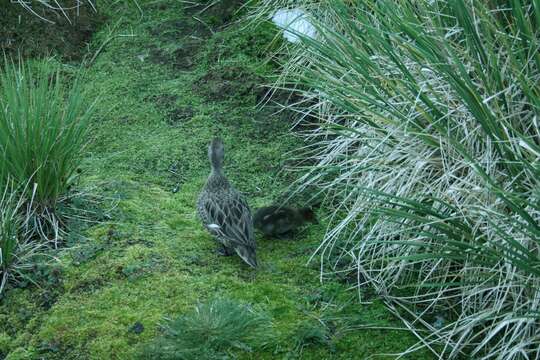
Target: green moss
x=20, y=354
x=5, y=343
x=148, y=257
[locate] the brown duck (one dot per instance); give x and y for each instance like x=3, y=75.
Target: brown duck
x=224, y=211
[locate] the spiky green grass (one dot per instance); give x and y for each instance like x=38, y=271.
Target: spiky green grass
x=426, y=146
x=211, y=331
x=17, y=250
x=43, y=128
x=150, y=258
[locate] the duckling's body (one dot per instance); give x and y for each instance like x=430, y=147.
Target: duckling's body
x=224, y=211
x=276, y=221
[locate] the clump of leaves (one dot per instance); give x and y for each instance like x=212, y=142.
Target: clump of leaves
x=212, y=331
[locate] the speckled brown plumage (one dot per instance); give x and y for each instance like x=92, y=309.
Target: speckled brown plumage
x=224, y=211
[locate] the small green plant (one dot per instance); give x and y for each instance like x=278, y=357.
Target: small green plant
x=213, y=330
x=43, y=128
x=311, y=333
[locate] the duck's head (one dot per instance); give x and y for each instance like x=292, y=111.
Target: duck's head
x=216, y=152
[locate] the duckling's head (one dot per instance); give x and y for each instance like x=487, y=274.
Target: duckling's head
x=216, y=152
x=308, y=215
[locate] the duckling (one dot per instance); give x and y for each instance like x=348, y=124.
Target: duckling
x=277, y=221
x=224, y=211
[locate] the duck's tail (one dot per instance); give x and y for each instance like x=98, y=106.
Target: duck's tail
x=248, y=254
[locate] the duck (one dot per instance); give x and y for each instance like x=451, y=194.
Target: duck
x=224, y=212
x=279, y=221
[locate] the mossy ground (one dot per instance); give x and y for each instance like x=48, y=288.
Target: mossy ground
x=164, y=92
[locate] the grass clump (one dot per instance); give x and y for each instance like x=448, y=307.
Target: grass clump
x=311, y=334
x=212, y=331
x=43, y=127
x=16, y=248
x=426, y=144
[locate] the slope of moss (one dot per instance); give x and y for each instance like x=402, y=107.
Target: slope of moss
x=176, y=79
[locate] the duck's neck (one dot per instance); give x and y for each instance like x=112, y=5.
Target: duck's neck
x=217, y=164
x=217, y=177
x=216, y=161
x=217, y=171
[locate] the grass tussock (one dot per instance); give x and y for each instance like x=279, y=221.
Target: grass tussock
x=212, y=331
x=43, y=128
x=17, y=250
x=427, y=146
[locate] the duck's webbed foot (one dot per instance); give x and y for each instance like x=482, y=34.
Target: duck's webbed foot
x=224, y=250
